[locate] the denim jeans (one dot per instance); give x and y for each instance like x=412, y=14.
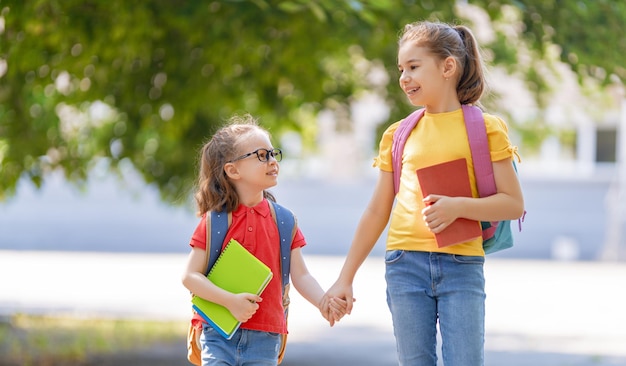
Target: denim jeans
x=423, y=288
x=245, y=348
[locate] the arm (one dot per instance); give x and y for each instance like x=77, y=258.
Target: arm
x=303, y=281
x=506, y=204
x=310, y=289
x=242, y=306
x=372, y=223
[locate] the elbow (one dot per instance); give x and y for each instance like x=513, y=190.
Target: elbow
x=518, y=211
x=185, y=279
x=521, y=212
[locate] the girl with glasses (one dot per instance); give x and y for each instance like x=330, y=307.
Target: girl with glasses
x=237, y=166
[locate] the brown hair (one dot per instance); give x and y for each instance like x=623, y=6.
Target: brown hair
x=444, y=41
x=214, y=190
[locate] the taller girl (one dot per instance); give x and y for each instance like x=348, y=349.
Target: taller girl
x=441, y=69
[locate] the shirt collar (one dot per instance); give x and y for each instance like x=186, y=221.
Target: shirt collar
x=263, y=209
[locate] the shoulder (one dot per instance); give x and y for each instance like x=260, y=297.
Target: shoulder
x=393, y=127
x=279, y=208
x=498, y=136
x=282, y=213
x=494, y=123
x=387, y=136
x=286, y=221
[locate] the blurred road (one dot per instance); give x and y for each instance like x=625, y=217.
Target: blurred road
x=539, y=313
x=87, y=253
x=565, y=220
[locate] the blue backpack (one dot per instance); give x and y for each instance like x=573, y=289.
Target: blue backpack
x=496, y=234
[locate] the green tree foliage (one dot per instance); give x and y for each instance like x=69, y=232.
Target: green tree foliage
x=145, y=83
x=590, y=33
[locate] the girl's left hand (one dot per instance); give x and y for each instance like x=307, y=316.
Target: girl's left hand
x=440, y=211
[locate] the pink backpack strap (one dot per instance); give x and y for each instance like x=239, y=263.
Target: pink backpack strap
x=479, y=146
x=399, y=140
x=481, y=157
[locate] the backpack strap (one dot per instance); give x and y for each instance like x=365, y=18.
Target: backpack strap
x=481, y=158
x=286, y=223
x=399, y=140
x=479, y=146
x=217, y=224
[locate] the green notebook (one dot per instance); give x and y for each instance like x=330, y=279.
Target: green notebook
x=236, y=270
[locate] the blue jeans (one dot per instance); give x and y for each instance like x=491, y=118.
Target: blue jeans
x=245, y=348
x=423, y=288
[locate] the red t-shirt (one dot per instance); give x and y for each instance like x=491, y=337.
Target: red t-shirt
x=255, y=228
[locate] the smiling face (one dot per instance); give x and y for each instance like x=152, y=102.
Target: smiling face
x=249, y=175
x=421, y=74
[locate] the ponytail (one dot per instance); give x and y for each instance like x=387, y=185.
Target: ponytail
x=471, y=83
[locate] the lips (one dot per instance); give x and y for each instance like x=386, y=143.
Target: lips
x=411, y=91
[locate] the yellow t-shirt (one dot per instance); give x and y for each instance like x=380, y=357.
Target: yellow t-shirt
x=437, y=138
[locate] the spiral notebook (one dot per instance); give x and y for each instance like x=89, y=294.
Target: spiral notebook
x=450, y=179
x=236, y=270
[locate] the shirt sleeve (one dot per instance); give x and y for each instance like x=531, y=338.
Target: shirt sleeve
x=498, y=135
x=198, y=239
x=298, y=240
x=384, y=161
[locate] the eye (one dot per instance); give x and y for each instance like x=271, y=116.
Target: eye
x=263, y=154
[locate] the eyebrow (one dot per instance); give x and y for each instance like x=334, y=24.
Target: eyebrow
x=413, y=60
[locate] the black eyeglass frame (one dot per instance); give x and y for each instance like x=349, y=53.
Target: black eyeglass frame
x=277, y=154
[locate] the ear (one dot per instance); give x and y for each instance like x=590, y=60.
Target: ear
x=449, y=67
x=231, y=171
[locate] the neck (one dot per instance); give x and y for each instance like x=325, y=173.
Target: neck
x=250, y=199
x=443, y=107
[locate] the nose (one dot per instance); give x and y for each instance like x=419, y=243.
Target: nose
x=404, y=78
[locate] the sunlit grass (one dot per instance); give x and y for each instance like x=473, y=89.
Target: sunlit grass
x=41, y=340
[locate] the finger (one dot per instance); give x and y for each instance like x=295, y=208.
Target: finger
x=330, y=317
x=324, y=303
x=438, y=228
x=349, y=301
x=336, y=303
x=253, y=298
x=324, y=314
x=432, y=198
x=339, y=301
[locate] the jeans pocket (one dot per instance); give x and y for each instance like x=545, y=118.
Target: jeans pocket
x=468, y=259
x=392, y=256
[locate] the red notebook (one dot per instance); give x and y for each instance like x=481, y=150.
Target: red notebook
x=450, y=179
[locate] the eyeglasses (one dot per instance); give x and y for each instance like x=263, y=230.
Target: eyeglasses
x=263, y=155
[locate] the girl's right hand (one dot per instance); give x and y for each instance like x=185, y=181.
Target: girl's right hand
x=243, y=306
x=343, y=292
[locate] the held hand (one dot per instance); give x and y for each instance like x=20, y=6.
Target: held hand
x=333, y=309
x=341, y=293
x=440, y=212
x=243, y=306
x=324, y=308
x=338, y=308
